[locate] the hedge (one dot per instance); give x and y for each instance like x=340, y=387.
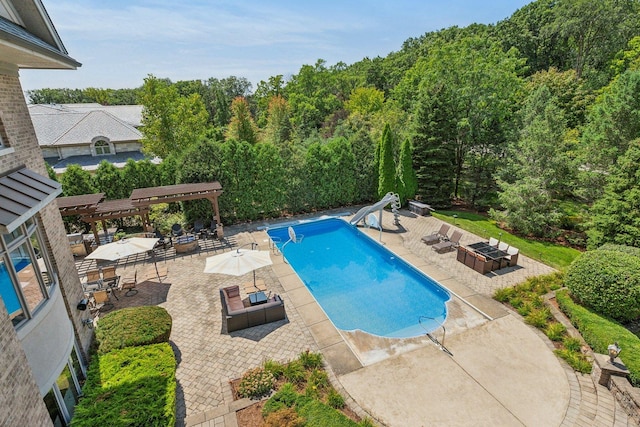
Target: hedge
x=600, y=332
x=631, y=250
x=608, y=282
x=133, y=326
x=135, y=386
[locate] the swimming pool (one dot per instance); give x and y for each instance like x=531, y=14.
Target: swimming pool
x=360, y=284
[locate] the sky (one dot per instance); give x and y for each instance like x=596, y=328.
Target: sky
x=120, y=42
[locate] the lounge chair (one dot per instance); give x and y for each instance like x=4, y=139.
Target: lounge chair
x=434, y=238
x=450, y=244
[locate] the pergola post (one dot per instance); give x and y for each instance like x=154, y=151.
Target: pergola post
x=106, y=232
x=216, y=216
x=94, y=229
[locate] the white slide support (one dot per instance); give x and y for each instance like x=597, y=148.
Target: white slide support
x=390, y=197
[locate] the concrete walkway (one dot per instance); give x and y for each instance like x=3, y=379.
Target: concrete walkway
x=502, y=372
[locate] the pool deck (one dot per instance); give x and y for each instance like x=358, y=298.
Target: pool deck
x=502, y=371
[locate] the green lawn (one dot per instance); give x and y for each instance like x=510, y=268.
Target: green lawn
x=556, y=256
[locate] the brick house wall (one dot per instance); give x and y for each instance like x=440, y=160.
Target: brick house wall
x=20, y=398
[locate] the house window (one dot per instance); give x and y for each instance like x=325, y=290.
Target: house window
x=63, y=396
x=102, y=148
x=26, y=275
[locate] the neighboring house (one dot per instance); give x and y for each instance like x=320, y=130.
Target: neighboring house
x=43, y=337
x=86, y=134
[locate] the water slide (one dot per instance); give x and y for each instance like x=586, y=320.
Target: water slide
x=390, y=197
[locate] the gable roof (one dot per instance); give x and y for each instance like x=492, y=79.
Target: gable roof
x=130, y=114
x=28, y=38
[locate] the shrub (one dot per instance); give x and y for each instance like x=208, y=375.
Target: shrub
x=276, y=368
x=538, y=317
x=134, y=386
x=608, y=282
x=133, y=326
x=286, y=397
x=576, y=360
x=572, y=343
x=316, y=383
x=256, y=383
x=335, y=399
x=599, y=332
x=555, y=331
x=504, y=294
x=285, y=417
x=310, y=360
x=294, y=372
x=631, y=250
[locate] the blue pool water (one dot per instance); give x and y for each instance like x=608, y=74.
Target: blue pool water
x=359, y=283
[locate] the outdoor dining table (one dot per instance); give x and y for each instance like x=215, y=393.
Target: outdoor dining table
x=491, y=252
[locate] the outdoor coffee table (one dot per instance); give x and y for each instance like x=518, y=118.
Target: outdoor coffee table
x=257, y=298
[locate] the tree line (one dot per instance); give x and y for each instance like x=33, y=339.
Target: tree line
x=535, y=119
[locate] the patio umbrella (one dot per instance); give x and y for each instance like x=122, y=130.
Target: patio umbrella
x=238, y=262
x=123, y=248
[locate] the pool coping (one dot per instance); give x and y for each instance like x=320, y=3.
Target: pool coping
x=342, y=349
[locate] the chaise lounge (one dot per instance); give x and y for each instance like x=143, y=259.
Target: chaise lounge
x=236, y=316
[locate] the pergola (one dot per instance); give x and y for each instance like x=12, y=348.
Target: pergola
x=93, y=208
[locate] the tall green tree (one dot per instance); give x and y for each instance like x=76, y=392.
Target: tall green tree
x=170, y=122
x=108, y=180
x=387, y=166
x=406, y=175
x=479, y=85
x=76, y=181
x=612, y=123
x=242, y=127
x=615, y=217
x=434, y=151
x=278, y=127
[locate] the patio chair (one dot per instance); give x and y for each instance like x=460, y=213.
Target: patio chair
x=440, y=235
x=450, y=244
x=129, y=283
x=470, y=260
x=493, y=242
x=100, y=300
x=462, y=254
x=198, y=229
x=176, y=230
x=212, y=231
x=503, y=246
x=483, y=265
x=92, y=281
x=512, y=258
x=164, y=240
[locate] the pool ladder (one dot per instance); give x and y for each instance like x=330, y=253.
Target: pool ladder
x=433, y=338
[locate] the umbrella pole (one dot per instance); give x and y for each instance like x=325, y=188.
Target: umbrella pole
x=155, y=263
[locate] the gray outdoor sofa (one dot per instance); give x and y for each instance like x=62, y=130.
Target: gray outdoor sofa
x=237, y=316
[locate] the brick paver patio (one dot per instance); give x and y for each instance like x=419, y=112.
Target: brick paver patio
x=208, y=358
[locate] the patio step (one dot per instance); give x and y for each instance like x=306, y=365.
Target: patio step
x=592, y=404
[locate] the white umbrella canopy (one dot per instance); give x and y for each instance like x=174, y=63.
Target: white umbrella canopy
x=238, y=262
x=123, y=248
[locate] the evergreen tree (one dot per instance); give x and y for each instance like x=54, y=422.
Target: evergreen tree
x=76, y=181
x=434, y=153
x=407, y=182
x=387, y=167
x=242, y=128
x=108, y=180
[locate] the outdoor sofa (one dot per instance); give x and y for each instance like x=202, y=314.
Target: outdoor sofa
x=237, y=316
